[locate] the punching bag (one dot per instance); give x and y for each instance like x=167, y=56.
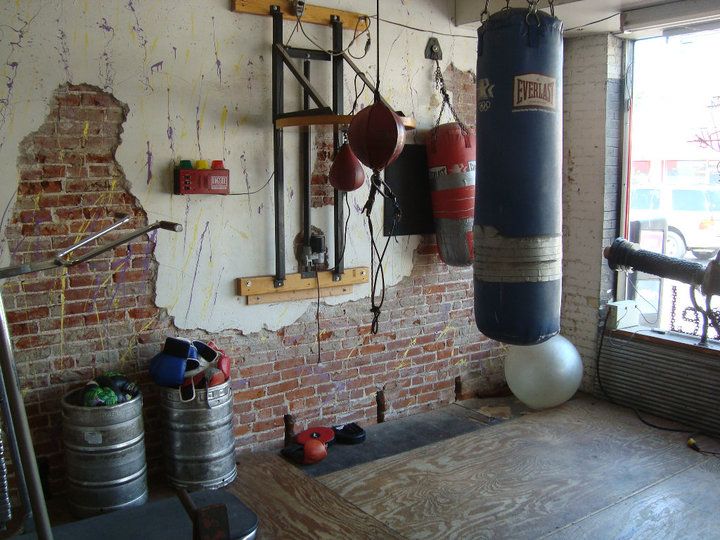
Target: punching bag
x=517, y=232
x=451, y=163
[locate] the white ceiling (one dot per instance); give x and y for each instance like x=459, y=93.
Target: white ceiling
x=578, y=16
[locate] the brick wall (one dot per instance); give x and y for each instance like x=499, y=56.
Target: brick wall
x=321, y=192
x=461, y=87
x=591, y=175
x=67, y=327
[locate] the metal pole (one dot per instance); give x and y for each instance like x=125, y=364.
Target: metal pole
x=337, y=90
x=25, y=444
x=306, y=174
x=15, y=451
x=277, y=106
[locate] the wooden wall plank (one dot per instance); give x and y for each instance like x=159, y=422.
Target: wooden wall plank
x=259, y=285
x=297, y=295
x=313, y=14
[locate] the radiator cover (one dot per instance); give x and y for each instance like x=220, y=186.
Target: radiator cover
x=665, y=378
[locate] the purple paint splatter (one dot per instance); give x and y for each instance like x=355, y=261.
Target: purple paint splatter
x=247, y=178
x=174, y=53
x=106, y=69
x=15, y=44
x=2, y=220
x=217, y=289
x=156, y=67
x=64, y=51
x=197, y=267
x=170, y=132
x=197, y=116
x=140, y=33
x=218, y=64
x=148, y=162
x=261, y=207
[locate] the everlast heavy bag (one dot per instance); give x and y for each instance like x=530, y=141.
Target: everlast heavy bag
x=517, y=232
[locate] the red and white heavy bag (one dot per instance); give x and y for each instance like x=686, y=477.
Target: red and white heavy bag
x=451, y=164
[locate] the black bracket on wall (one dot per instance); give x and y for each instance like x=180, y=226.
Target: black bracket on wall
x=433, y=50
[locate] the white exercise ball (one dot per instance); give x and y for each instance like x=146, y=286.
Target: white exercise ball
x=544, y=375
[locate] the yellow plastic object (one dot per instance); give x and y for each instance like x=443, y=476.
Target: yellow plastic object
x=202, y=164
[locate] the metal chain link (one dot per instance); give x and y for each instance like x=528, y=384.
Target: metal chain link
x=532, y=11
x=440, y=85
x=485, y=13
x=551, y=3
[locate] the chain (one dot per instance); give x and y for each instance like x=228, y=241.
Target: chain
x=532, y=11
x=551, y=3
x=440, y=85
x=485, y=13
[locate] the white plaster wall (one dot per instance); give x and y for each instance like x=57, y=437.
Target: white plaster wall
x=197, y=79
x=591, y=169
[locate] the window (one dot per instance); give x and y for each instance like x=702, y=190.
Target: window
x=673, y=179
x=645, y=199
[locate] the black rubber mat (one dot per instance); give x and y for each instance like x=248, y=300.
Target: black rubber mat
x=159, y=520
x=400, y=435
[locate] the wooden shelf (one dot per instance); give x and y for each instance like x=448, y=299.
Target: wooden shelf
x=313, y=14
x=294, y=296
x=329, y=119
x=262, y=290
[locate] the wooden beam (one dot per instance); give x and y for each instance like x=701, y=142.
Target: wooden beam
x=329, y=119
x=261, y=285
x=313, y=14
x=294, y=296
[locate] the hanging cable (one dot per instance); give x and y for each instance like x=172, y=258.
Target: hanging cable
x=257, y=190
x=317, y=312
x=344, y=242
x=379, y=186
x=366, y=30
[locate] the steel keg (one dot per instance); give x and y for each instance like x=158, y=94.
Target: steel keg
x=199, y=444
x=104, y=455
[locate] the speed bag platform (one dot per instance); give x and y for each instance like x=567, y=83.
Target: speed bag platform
x=517, y=226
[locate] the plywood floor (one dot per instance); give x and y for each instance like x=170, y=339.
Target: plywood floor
x=587, y=469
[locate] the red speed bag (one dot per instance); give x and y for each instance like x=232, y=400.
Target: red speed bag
x=376, y=136
x=314, y=450
x=451, y=164
x=346, y=172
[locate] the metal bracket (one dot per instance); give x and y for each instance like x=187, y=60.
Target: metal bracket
x=433, y=50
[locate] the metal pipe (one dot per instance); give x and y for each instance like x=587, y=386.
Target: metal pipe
x=25, y=444
x=337, y=98
x=306, y=172
x=15, y=452
x=277, y=108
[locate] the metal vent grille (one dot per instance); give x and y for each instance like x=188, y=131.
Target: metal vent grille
x=665, y=379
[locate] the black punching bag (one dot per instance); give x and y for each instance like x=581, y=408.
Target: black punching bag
x=518, y=220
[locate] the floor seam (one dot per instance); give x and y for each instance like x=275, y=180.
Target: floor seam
x=622, y=500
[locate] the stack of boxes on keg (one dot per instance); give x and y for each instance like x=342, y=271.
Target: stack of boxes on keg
x=104, y=438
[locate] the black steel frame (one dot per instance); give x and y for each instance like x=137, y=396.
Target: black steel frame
x=282, y=57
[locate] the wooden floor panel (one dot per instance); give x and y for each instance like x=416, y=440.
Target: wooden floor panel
x=683, y=506
x=290, y=504
x=520, y=479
